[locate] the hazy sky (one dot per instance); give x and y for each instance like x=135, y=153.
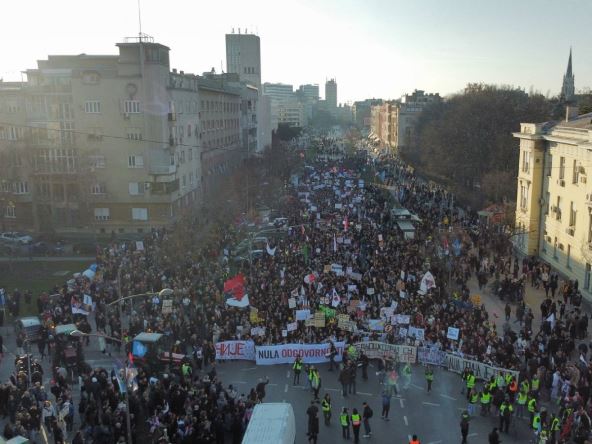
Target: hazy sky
x=374, y=48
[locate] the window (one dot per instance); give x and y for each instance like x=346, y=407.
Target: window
x=102, y=214
x=523, y=196
x=9, y=212
x=182, y=156
x=140, y=213
x=190, y=154
x=132, y=107
x=526, y=161
x=97, y=161
x=548, y=203
x=587, y=276
x=184, y=181
x=562, y=168
x=136, y=188
x=558, y=209
x=590, y=227
x=92, y=107
x=576, y=172
x=191, y=179
x=135, y=162
x=555, y=248
x=189, y=130
x=568, y=259
x=572, y=216
x=21, y=187
x=134, y=134
x=98, y=188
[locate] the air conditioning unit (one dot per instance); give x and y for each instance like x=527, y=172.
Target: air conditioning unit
x=126, y=116
x=146, y=185
x=561, y=182
x=570, y=231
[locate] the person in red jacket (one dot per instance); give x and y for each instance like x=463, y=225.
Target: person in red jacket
x=414, y=440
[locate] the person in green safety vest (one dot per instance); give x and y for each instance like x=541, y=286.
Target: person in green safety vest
x=536, y=422
x=315, y=383
x=505, y=412
x=535, y=385
x=500, y=381
x=521, y=404
x=186, y=370
x=297, y=367
x=525, y=386
x=326, y=408
x=345, y=421
x=554, y=427
x=407, y=376
x=356, y=421
x=532, y=407
x=471, y=379
x=485, y=402
x=473, y=400
x=429, y=375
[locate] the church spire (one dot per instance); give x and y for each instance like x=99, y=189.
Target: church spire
x=568, y=87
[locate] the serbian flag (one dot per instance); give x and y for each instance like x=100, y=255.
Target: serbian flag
x=235, y=288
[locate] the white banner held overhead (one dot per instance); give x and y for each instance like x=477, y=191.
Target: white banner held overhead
x=287, y=353
x=378, y=350
x=240, y=350
x=482, y=371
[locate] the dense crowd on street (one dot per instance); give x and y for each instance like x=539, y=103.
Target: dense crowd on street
x=341, y=249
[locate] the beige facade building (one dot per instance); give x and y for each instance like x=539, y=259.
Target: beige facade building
x=393, y=124
x=113, y=143
x=554, y=196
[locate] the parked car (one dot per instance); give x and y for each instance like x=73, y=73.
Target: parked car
x=16, y=237
x=47, y=249
x=30, y=326
x=85, y=248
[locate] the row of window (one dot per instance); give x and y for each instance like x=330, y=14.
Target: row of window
x=18, y=187
x=220, y=124
x=135, y=107
x=104, y=214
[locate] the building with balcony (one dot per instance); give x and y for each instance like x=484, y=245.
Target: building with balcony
x=114, y=142
x=554, y=197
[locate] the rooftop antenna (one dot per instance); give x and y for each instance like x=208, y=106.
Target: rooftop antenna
x=140, y=20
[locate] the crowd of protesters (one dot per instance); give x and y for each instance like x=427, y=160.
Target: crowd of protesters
x=338, y=213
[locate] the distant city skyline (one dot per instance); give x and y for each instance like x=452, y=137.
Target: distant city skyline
x=378, y=48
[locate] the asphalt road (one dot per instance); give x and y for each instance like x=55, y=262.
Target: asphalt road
x=433, y=417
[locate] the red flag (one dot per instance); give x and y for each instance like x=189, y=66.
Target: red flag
x=235, y=287
x=130, y=358
x=346, y=223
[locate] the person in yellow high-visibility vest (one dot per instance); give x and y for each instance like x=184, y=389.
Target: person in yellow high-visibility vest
x=485, y=402
x=521, y=404
x=532, y=407
x=345, y=421
x=326, y=408
x=471, y=379
x=297, y=367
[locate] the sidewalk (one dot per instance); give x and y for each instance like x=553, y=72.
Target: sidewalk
x=47, y=258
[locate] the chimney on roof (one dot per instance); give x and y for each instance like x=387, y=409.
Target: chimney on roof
x=571, y=112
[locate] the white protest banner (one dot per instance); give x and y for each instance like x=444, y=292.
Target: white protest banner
x=347, y=241
x=292, y=326
x=431, y=356
x=400, y=319
x=243, y=350
x=140, y=245
x=369, y=291
x=417, y=333
x=87, y=300
x=356, y=276
x=167, y=306
x=287, y=353
x=386, y=312
x=378, y=350
x=402, y=332
x=303, y=315
x=337, y=268
x=352, y=288
x=292, y=303
x=258, y=331
x=427, y=283
x=284, y=333
x=338, y=206
x=453, y=333
x=376, y=324
x=482, y=371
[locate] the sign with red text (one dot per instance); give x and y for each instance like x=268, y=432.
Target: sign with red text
x=243, y=350
x=287, y=353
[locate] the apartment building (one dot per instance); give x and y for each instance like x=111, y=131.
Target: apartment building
x=554, y=197
x=122, y=143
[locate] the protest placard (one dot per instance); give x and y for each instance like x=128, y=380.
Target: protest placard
x=292, y=303
x=453, y=333
x=167, y=306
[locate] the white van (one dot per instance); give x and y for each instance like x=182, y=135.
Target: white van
x=271, y=423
